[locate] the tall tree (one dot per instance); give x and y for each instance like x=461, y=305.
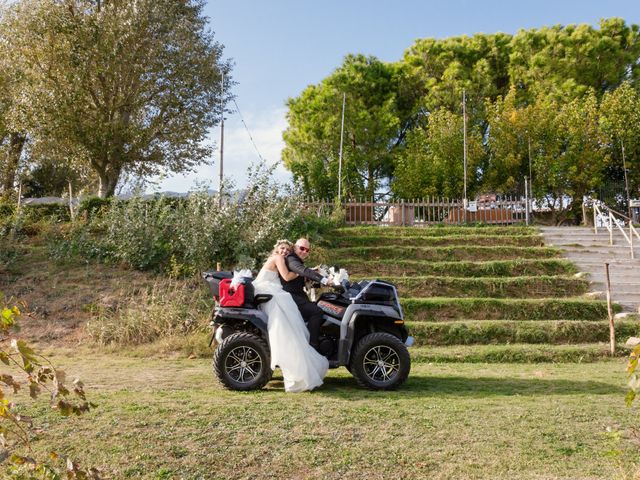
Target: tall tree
x=126, y=86
x=378, y=113
x=432, y=163
x=573, y=163
x=514, y=138
x=565, y=61
x=445, y=67
x=12, y=129
x=620, y=121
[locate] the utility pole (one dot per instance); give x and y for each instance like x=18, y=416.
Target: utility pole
x=530, y=171
x=221, y=141
x=626, y=179
x=344, y=100
x=464, y=130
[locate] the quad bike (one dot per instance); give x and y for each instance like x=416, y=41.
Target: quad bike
x=363, y=330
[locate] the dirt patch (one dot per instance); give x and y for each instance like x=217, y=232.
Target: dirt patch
x=59, y=298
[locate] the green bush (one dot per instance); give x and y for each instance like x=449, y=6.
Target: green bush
x=183, y=235
x=57, y=213
x=93, y=206
x=7, y=209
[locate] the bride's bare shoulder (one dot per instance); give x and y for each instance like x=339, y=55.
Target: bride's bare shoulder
x=271, y=262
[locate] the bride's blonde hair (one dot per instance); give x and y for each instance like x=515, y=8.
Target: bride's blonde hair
x=279, y=243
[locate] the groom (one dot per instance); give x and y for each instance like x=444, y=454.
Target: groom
x=310, y=311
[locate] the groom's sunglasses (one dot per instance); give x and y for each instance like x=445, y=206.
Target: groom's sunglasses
x=304, y=249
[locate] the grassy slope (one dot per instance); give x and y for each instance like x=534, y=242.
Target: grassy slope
x=447, y=241
x=539, y=286
x=504, y=268
x=446, y=254
x=171, y=420
x=60, y=297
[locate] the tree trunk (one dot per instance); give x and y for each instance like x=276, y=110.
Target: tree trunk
x=16, y=145
x=371, y=182
x=108, y=182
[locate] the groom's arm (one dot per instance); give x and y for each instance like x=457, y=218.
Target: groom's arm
x=295, y=265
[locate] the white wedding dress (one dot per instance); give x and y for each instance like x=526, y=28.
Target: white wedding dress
x=302, y=367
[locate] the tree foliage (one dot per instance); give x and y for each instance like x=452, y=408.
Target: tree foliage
x=24, y=368
x=377, y=116
x=555, y=103
x=117, y=86
x=431, y=163
x=620, y=120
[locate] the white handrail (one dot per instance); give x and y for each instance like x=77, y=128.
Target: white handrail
x=611, y=217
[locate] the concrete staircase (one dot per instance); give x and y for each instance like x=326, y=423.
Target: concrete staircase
x=590, y=252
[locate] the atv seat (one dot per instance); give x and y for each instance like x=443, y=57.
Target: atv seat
x=261, y=298
x=335, y=311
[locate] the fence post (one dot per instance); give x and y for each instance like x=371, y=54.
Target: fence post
x=19, y=197
x=402, y=208
x=610, y=229
x=595, y=217
x=631, y=239
x=612, y=330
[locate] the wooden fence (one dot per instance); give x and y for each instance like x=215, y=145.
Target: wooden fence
x=424, y=212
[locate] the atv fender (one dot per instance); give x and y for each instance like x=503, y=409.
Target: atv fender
x=348, y=325
x=257, y=318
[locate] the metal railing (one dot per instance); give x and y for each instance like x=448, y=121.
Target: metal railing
x=423, y=212
x=611, y=219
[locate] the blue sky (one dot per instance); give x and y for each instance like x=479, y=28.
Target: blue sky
x=281, y=46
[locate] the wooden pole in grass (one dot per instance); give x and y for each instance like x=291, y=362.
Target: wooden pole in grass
x=612, y=330
x=19, y=196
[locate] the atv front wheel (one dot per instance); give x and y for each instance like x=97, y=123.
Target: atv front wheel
x=380, y=361
x=242, y=362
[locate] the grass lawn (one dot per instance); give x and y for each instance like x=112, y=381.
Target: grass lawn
x=168, y=418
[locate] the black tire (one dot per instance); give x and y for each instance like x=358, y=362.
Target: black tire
x=380, y=361
x=242, y=362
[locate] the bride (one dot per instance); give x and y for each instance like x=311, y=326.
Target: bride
x=302, y=367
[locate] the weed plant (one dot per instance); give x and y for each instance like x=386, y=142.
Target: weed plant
x=169, y=308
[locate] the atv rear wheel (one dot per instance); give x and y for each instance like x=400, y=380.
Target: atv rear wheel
x=380, y=361
x=242, y=362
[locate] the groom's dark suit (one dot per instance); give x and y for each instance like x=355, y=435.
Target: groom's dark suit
x=310, y=311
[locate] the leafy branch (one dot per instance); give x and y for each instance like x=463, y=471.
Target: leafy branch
x=38, y=374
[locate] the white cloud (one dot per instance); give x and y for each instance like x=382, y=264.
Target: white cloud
x=266, y=128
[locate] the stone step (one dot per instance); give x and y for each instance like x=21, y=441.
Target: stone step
x=590, y=251
x=599, y=258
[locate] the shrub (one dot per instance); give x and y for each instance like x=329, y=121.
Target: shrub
x=183, y=235
x=93, y=206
